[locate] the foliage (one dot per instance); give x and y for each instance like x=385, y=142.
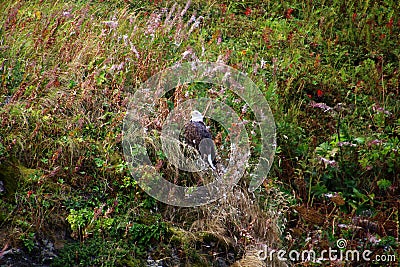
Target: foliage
x=329, y=70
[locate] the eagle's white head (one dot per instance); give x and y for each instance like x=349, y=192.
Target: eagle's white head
x=196, y=116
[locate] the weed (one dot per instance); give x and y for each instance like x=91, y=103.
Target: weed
x=329, y=70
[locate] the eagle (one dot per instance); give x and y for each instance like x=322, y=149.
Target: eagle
x=198, y=136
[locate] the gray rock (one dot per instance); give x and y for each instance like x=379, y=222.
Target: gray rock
x=2, y=188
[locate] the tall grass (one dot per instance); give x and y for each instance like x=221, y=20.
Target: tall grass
x=330, y=71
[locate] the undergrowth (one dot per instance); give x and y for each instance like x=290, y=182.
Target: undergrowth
x=329, y=70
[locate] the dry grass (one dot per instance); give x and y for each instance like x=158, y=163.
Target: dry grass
x=68, y=71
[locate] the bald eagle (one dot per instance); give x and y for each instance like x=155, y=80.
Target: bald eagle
x=198, y=136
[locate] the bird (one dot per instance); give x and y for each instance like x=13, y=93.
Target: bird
x=198, y=136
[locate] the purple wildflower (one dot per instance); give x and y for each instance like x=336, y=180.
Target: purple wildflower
x=323, y=106
x=331, y=163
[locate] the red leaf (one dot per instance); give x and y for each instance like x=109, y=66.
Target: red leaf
x=289, y=12
x=354, y=17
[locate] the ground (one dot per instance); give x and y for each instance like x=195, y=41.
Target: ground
x=329, y=72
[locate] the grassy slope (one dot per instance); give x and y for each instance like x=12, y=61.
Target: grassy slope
x=71, y=68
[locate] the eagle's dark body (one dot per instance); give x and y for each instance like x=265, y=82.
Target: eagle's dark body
x=198, y=136
x=195, y=131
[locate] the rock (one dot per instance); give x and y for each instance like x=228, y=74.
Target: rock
x=2, y=188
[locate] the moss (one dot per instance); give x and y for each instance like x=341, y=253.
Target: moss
x=180, y=236
x=187, y=240
x=131, y=262
x=10, y=175
x=26, y=173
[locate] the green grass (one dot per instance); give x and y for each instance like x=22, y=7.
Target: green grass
x=72, y=67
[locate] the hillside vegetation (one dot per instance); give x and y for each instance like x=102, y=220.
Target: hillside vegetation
x=329, y=70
